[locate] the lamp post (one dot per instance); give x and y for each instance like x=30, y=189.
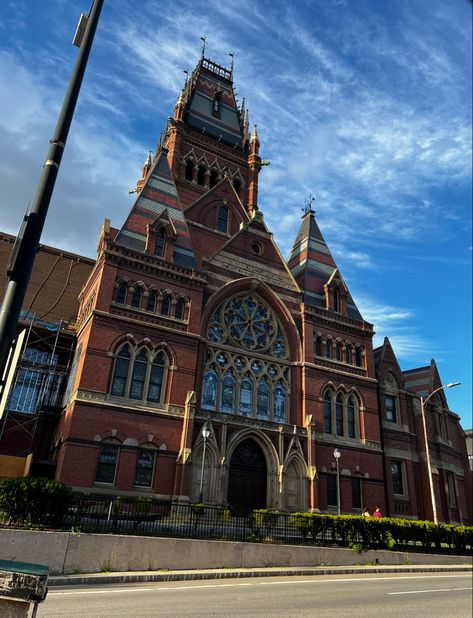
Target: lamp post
x=337, y=455
x=423, y=402
x=205, y=435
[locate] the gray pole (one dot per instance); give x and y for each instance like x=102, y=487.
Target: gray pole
x=27, y=247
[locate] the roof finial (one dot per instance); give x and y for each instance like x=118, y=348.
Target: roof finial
x=202, y=38
x=308, y=204
x=232, y=64
x=254, y=135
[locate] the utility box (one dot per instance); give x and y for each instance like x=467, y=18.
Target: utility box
x=22, y=586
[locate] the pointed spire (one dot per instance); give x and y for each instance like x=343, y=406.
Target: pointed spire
x=312, y=264
x=254, y=136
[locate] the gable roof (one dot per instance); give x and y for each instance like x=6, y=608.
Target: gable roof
x=236, y=256
x=313, y=265
x=158, y=199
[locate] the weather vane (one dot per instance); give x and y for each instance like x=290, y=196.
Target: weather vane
x=232, y=56
x=308, y=204
x=202, y=38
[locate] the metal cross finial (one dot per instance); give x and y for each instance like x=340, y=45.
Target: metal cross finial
x=308, y=204
x=202, y=38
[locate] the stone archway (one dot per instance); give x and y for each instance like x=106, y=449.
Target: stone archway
x=247, y=478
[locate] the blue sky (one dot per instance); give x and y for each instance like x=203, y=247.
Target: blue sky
x=363, y=103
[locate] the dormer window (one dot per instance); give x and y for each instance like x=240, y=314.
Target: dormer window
x=160, y=243
x=222, y=222
x=336, y=300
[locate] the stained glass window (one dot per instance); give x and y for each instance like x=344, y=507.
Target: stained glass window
x=262, y=400
x=250, y=376
x=228, y=393
x=279, y=403
x=246, y=397
x=209, y=390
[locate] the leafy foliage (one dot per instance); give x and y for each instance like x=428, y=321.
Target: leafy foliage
x=33, y=501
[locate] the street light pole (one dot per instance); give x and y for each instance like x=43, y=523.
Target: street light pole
x=423, y=402
x=27, y=243
x=205, y=435
x=337, y=454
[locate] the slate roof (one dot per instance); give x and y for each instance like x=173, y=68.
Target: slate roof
x=159, y=194
x=312, y=265
x=208, y=78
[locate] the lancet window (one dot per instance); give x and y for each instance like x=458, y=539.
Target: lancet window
x=341, y=414
x=139, y=375
x=247, y=369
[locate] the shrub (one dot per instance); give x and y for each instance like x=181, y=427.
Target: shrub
x=31, y=501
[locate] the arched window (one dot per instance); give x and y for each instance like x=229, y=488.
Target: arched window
x=338, y=352
x=138, y=376
x=328, y=348
x=339, y=415
x=327, y=412
x=250, y=374
x=228, y=393
x=222, y=223
x=237, y=185
x=213, y=178
x=151, y=303
x=246, y=397
x=336, y=300
x=318, y=346
x=262, y=399
x=145, y=467
x=156, y=378
x=279, y=411
x=136, y=298
x=358, y=357
x=209, y=390
x=201, y=175
x=348, y=355
x=121, y=294
x=180, y=306
x=120, y=373
x=189, y=169
x=107, y=463
x=165, y=305
x=160, y=243
x=351, y=417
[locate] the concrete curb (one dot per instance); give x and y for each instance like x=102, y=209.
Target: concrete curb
x=170, y=576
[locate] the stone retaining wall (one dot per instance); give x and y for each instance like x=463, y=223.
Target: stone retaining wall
x=67, y=553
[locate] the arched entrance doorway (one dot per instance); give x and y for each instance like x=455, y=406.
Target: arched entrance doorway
x=247, y=479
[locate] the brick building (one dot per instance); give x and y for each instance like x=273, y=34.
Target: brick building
x=196, y=336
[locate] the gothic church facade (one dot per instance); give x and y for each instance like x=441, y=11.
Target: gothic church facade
x=195, y=332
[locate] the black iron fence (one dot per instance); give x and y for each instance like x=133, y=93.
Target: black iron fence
x=146, y=516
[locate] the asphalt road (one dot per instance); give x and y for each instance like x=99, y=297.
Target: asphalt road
x=442, y=595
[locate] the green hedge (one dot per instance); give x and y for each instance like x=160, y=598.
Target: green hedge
x=33, y=501
x=384, y=532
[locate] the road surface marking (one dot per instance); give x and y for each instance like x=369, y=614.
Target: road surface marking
x=422, y=591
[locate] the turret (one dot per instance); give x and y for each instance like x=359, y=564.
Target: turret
x=254, y=163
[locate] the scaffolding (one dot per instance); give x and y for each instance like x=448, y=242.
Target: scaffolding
x=40, y=380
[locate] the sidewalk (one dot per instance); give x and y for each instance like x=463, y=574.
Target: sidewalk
x=192, y=575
